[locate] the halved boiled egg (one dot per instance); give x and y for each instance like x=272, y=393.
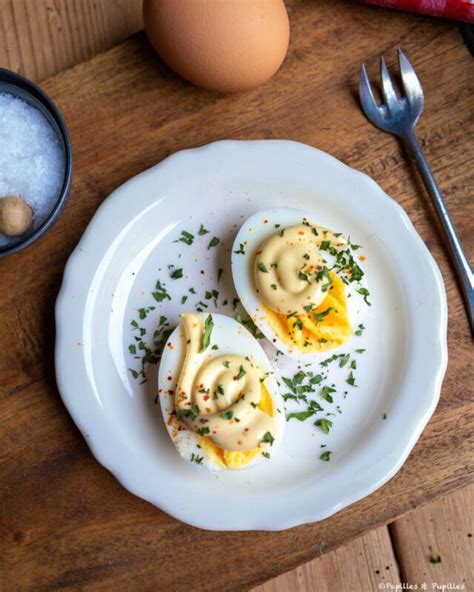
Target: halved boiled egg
x=301, y=283
x=219, y=398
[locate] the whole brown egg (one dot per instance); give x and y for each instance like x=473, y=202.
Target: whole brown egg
x=221, y=45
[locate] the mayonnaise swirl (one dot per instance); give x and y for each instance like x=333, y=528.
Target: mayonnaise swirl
x=289, y=269
x=218, y=397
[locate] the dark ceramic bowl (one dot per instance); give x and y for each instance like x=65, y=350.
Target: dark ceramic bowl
x=21, y=87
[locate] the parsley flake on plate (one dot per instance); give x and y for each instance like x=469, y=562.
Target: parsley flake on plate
x=186, y=238
x=213, y=242
x=324, y=423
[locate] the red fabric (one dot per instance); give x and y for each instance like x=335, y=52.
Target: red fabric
x=460, y=10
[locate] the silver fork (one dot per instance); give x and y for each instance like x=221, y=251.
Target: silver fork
x=399, y=116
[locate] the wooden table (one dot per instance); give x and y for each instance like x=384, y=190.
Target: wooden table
x=65, y=521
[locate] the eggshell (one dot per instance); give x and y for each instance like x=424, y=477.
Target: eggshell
x=221, y=45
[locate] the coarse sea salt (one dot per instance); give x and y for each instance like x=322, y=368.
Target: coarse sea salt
x=31, y=158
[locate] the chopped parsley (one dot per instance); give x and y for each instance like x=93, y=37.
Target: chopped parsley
x=365, y=293
x=299, y=391
x=324, y=423
x=249, y=324
x=143, y=312
x=433, y=558
x=160, y=292
x=262, y=267
x=176, y=274
x=192, y=413
x=241, y=373
x=344, y=359
x=324, y=246
x=298, y=377
x=326, y=455
x=186, y=238
x=202, y=230
x=346, y=266
x=148, y=354
x=350, y=379
x=197, y=459
x=324, y=275
x=213, y=242
x=312, y=409
x=268, y=438
x=206, y=338
x=300, y=415
x=240, y=250
x=328, y=361
x=228, y=414
x=303, y=276
x=326, y=393
x=319, y=316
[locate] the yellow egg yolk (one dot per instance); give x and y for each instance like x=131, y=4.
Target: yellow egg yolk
x=322, y=329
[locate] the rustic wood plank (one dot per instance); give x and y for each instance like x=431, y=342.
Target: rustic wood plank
x=442, y=530
x=42, y=37
x=54, y=491
x=65, y=522
x=359, y=566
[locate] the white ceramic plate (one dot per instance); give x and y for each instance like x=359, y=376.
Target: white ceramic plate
x=129, y=245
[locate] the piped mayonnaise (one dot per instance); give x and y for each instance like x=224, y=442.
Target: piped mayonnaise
x=218, y=397
x=290, y=273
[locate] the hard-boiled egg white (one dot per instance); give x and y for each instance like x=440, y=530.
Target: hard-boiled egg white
x=229, y=350
x=311, y=275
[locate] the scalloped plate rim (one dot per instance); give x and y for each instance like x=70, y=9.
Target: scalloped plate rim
x=94, y=440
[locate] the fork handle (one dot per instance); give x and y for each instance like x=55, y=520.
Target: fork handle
x=454, y=245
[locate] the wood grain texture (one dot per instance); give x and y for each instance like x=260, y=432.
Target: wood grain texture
x=41, y=37
x=406, y=553
x=65, y=522
x=443, y=531
x=359, y=566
